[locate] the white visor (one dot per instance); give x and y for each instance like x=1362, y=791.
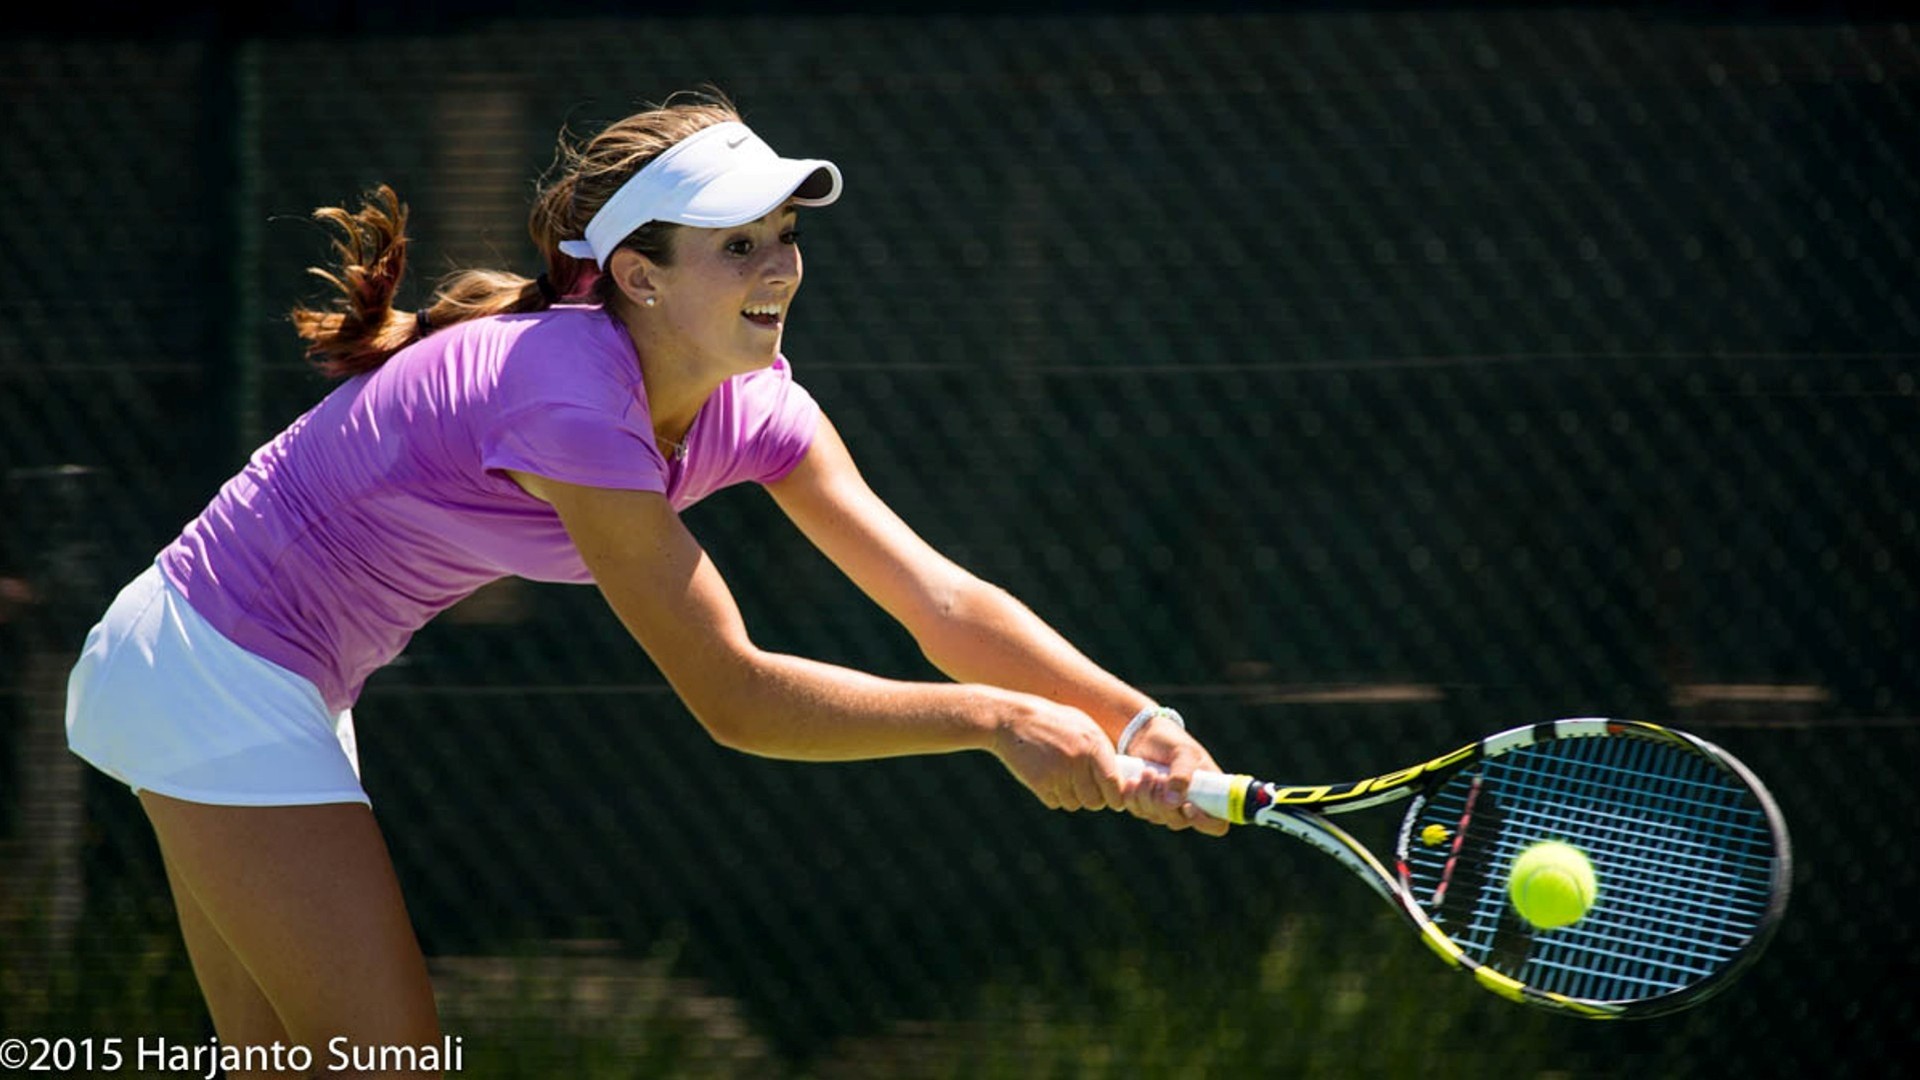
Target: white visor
x=719, y=176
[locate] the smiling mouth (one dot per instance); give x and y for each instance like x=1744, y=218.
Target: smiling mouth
x=766, y=316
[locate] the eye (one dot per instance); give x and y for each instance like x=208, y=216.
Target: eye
x=790, y=237
x=741, y=246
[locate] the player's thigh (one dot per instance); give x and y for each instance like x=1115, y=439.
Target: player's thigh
x=306, y=899
x=242, y=1015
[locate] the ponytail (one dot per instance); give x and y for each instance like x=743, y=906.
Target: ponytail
x=361, y=329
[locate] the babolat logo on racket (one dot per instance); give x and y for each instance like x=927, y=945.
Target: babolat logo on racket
x=1391, y=784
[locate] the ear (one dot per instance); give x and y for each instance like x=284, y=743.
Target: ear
x=633, y=274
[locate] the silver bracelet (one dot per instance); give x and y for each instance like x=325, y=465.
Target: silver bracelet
x=1142, y=719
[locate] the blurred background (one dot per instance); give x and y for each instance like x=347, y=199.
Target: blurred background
x=1358, y=379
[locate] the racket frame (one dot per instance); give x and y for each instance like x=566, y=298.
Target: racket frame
x=1301, y=811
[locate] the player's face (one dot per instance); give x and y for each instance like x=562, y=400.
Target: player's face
x=726, y=294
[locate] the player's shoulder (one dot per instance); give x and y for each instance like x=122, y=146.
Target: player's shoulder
x=768, y=390
x=563, y=327
x=578, y=355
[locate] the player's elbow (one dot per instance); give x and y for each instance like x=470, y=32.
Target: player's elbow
x=957, y=600
x=952, y=613
x=730, y=730
x=724, y=721
x=724, y=699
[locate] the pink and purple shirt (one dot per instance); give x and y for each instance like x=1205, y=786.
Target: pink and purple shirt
x=388, y=501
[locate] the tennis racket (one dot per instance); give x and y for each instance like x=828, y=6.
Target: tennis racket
x=1689, y=851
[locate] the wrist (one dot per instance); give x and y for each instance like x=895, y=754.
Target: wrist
x=1003, y=716
x=1144, y=719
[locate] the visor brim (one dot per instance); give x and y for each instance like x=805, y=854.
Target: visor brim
x=743, y=195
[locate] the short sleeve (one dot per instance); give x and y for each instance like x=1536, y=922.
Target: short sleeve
x=788, y=417
x=575, y=445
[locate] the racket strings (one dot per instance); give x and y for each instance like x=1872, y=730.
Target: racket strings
x=1666, y=920
x=1682, y=852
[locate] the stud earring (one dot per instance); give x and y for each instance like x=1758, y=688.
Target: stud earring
x=651, y=301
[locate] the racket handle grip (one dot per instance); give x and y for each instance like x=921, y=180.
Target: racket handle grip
x=1219, y=794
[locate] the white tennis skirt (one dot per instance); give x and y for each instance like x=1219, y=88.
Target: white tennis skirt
x=162, y=702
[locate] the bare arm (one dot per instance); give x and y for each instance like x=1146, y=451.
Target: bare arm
x=671, y=598
x=970, y=629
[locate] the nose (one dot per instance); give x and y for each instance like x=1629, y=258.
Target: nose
x=781, y=265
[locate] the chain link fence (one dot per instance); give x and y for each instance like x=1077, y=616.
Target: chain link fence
x=1356, y=380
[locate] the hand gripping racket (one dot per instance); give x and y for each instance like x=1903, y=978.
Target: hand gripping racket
x=1690, y=855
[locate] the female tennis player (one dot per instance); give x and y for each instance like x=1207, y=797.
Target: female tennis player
x=552, y=429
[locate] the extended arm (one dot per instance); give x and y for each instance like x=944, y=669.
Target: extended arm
x=671, y=598
x=970, y=629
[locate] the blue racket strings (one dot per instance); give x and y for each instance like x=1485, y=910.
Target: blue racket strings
x=1682, y=852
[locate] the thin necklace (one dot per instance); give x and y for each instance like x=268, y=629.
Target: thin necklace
x=679, y=448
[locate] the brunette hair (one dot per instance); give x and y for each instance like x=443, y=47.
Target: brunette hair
x=360, y=329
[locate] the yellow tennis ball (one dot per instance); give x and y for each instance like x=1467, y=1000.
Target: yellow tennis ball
x=1552, y=884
